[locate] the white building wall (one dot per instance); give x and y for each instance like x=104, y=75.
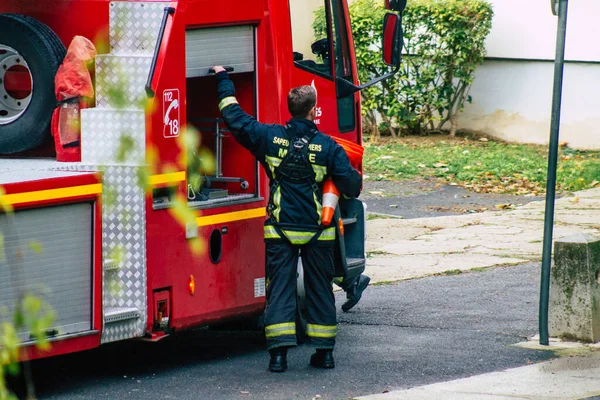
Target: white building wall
x=512, y=92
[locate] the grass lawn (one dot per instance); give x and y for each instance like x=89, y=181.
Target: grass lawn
x=482, y=166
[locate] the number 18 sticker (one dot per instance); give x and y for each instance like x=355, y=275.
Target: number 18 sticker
x=171, y=113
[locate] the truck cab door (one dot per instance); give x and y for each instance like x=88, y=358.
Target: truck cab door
x=322, y=54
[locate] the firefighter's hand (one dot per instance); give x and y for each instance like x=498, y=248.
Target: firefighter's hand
x=218, y=69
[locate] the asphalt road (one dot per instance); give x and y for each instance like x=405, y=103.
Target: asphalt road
x=430, y=198
x=402, y=335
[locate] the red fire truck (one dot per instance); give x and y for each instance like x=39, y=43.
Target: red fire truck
x=117, y=259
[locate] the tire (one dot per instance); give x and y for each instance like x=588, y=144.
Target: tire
x=24, y=123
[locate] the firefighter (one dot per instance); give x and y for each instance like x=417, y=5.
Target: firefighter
x=297, y=159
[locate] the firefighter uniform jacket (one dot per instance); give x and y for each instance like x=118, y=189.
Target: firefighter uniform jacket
x=297, y=208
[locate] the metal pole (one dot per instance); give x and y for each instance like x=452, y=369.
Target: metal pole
x=552, y=161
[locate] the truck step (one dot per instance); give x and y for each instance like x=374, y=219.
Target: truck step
x=104, y=133
x=348, y=221
x=134, y=26
x=355, y=262
x=116, y=314
x=120, y=80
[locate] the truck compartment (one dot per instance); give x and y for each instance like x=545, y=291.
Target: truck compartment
x=47, y=252
x=233, y=177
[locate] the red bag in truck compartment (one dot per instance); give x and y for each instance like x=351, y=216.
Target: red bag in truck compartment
x=74, y=90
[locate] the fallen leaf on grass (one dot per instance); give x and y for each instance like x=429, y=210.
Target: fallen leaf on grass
x=440, y=165
x=594, y=183
x=385, y=157
x=483, y=139
x=376, y=193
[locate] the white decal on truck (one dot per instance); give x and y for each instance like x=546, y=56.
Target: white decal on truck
x=171, y=113
x=259, y=287
x=318, y=110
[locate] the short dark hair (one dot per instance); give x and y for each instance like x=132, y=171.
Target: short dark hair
x=301, y=100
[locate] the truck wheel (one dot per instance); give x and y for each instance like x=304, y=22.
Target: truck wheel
x=30, y=54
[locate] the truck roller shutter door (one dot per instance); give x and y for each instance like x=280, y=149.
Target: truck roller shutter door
x=231, y=46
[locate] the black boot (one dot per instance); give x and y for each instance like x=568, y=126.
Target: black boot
x=323, y=358
x=278, y=362
x=355, y=292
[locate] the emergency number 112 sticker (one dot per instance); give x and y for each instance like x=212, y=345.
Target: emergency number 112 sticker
x=171, y=113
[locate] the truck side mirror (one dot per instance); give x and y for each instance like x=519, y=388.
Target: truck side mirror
x=392, y=50
x=395, y=5
x=392, y=39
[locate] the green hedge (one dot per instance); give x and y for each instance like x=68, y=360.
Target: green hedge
x=444, y=44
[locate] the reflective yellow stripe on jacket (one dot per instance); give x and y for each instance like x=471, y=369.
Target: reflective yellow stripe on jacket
x=298, y=237
x=285, y=328
x=227, y=101
x=321, y=331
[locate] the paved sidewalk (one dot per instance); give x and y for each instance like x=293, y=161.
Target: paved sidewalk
x=405, y=249
x=400, y=249
x=571, y=378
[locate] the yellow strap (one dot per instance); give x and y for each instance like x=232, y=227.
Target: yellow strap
x=271, y=232
x=227, y=101
x=273, y=162
x=318, y=207
x=327, y=234
x=277, y=203
x=298, y=238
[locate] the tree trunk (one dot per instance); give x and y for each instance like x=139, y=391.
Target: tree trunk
x=388, y=122
x=453, y=125
x=371, y=122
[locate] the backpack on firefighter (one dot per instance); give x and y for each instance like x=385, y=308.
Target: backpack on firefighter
x=295, y=167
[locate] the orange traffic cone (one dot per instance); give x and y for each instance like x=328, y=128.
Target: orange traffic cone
x=331, y=195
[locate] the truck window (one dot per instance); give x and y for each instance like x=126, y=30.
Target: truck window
x=311, y=52
x=343, y=65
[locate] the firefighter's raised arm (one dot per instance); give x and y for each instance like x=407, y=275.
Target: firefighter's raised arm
x=246, y=129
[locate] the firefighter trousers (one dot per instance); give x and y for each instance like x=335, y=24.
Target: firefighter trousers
x=280, y=313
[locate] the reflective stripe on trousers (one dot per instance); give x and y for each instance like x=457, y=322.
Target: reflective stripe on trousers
x=321, y=331
x=285, y=328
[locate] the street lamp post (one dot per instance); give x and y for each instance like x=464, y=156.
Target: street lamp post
x=559, y=7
